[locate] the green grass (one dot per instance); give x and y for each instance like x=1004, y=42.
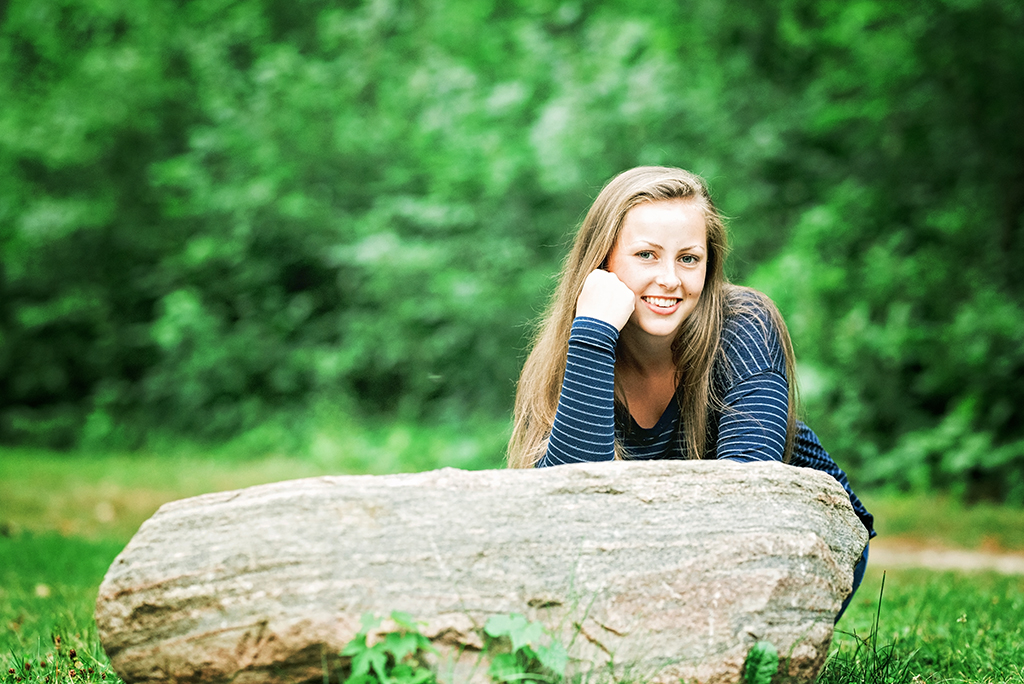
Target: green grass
x=937, y=626
x=63, y=518
x=48, y=589
x=944, y=521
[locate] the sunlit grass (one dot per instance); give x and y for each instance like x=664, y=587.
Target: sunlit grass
x=108, y=495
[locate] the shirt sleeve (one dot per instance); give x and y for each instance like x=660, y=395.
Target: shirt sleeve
x=752, y=426
x=752, y=423
x=584, y=428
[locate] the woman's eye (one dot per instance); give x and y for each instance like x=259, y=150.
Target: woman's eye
x=689, y=259
x=645, y=254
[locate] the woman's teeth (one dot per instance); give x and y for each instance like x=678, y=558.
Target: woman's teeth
x=661, y=301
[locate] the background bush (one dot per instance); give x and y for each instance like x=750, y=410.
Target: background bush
x=214, y=213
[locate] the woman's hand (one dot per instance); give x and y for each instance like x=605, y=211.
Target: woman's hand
x=606, y=298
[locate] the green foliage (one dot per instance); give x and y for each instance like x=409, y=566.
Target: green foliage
x=212, y=214
x=900, y=279
x=762, y=663
x=514, y=645
x=396, y=659
x=518, y=652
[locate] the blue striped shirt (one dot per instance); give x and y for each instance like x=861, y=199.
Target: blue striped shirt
x=751, y=426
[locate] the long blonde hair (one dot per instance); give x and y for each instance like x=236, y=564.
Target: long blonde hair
x=697, y=345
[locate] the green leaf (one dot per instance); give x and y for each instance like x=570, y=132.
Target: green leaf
x=374, y=658
x=361, y=679
x=356, y=646
x=412, y=675
x=401, y=645
x=526, y=635
x=553, y=657
x=407, y=674
x=516, y=627
x=369, y=621
x=379, y=661
x=762, y=663
x=500, y=625
x=505, y=666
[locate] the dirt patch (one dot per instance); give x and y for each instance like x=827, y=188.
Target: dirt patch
x=911, y=553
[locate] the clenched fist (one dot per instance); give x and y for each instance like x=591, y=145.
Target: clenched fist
x=606, y=298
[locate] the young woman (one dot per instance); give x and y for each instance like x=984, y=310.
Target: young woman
x=648, y=352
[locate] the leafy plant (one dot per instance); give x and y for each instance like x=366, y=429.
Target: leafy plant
x=762, y=663
x=517, y=646
x=528, y=658
x=396, y=659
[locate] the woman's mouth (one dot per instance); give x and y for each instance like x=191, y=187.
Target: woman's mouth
x=662, y=305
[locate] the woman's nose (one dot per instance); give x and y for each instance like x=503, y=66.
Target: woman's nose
x=668, y=278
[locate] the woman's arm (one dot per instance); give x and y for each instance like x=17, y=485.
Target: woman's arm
x=584, y=428
x=752, y=424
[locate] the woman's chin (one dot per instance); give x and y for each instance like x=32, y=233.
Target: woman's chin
x=664, y=327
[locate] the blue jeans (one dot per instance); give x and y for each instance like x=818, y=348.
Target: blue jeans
x=858, y=575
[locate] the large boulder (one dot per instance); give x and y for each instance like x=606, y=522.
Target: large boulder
x=659, y=570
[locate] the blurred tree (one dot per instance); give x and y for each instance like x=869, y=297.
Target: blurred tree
x=903, y=278
x=214, y=212
x=88, y=106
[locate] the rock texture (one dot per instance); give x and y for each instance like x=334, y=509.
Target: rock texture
x=656, y=570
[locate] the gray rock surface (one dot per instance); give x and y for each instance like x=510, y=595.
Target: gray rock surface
x=659, y=570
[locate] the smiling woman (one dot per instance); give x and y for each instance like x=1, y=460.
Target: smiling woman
x=648, y=352
x=660, y=255
x=660, y=259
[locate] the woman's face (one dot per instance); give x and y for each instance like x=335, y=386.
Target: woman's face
x=661, y=255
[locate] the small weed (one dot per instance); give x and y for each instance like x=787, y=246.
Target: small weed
x=398, y=658
x=520, y=651
x=527, y=656
x=762, y=663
